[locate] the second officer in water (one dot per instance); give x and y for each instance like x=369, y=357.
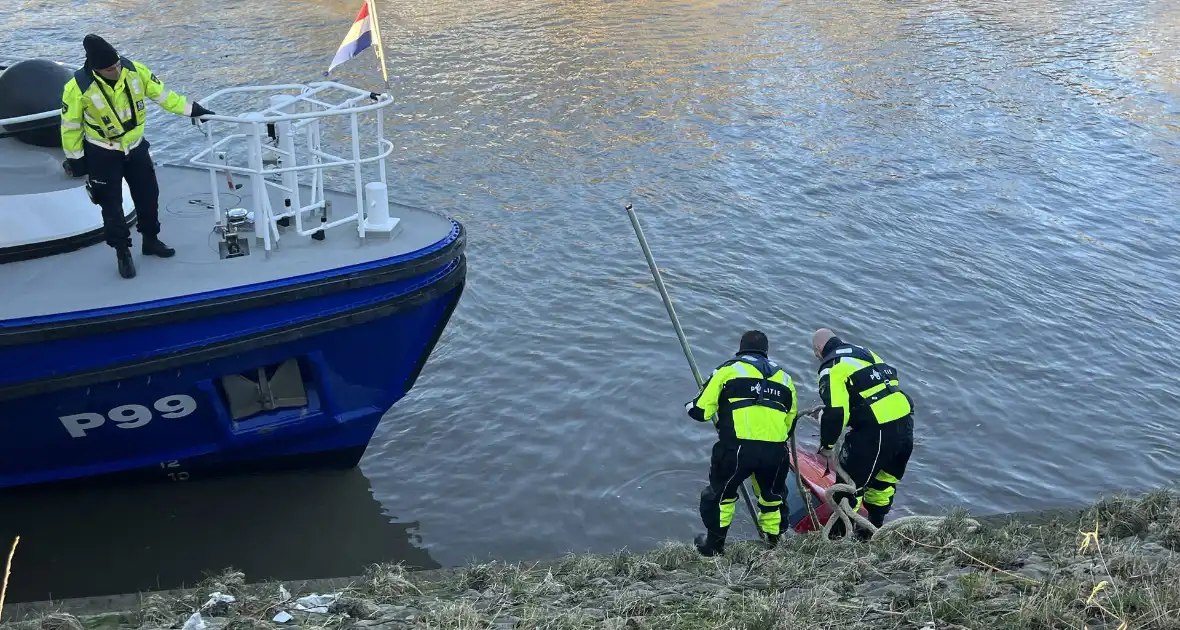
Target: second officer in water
x=755, y=403
x=862, y=392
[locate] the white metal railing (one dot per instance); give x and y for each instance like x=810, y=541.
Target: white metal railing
x=286, y=124
x=30, y=118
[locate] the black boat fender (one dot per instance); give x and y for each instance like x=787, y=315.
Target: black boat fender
x=30, y=87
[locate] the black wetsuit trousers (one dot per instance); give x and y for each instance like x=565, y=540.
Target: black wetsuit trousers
x=732, y=462
x=106, y=170
x=876, y=458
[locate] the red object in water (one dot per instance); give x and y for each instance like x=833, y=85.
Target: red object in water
x=812, y=467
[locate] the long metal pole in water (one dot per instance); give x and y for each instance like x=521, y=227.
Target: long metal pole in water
x=655, y=272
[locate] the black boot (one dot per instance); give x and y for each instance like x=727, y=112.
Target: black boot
x=876, y=514
x=710, y=544
x=153, y=246
x=126, y=265
x=771, y=541
x=837, y=532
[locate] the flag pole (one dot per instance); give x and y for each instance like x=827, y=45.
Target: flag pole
x=377, y=43
x=380, y=50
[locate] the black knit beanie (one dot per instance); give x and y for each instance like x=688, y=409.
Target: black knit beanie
x=99, y=53
x=754, y=341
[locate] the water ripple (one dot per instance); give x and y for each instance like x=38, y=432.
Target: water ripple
x=984, y=193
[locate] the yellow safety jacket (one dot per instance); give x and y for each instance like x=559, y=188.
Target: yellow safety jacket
x=754, y=399
x=108, y=116
x=858, y=390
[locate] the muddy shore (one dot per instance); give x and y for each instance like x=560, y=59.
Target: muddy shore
x=1110, y=566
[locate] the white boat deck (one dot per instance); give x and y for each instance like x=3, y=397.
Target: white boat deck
x=39, y=204
x=89, y=279
x=26, y=169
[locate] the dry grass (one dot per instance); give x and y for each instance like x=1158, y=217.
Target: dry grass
x=1114, y=568
x=7, y=574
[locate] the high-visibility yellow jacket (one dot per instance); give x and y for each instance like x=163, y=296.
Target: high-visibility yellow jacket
x=112, y=116
x=753, y=397
x=859, y=391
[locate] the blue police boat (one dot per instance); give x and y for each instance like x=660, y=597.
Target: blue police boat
x=291, y=319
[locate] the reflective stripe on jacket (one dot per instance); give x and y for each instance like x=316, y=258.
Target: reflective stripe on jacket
x=112, y=116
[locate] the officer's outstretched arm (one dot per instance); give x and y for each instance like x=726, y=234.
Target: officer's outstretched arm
x=164, y=97
x=705, y=405
x=71, y=121
x=834, y=394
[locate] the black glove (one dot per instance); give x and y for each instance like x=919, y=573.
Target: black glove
x=199, y=111
x=75, y=167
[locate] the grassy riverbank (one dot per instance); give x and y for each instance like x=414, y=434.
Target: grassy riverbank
x=1115, y=564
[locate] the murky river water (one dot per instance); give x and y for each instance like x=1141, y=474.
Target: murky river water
x=983, y=192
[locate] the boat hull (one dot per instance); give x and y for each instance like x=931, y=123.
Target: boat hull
x=817, y=479
x=147, y=399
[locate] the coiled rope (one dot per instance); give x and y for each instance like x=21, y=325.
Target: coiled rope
x=843, y=511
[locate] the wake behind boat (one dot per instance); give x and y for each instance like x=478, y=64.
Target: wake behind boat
x=291, y=318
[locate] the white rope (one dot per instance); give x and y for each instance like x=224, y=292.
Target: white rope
x=844, y=513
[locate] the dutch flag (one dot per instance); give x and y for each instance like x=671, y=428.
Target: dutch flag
x=359, y=37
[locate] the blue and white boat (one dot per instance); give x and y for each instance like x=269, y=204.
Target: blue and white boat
x=291, y=319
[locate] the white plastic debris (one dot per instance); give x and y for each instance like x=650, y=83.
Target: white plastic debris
x=316, y=603
x=282, y=617
x=284, y=594
x=195, y=622
x=217, y=598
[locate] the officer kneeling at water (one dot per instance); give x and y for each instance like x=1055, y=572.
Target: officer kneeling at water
x=102, y=123
x=755, y=403
x=862, y=392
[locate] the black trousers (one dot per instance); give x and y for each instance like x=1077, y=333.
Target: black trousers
x=107, y=169
x=730, y=465
x=876, y=460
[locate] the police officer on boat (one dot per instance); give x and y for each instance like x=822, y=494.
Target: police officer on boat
x=862, y=392
x=755, y=403
x=103, y=114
